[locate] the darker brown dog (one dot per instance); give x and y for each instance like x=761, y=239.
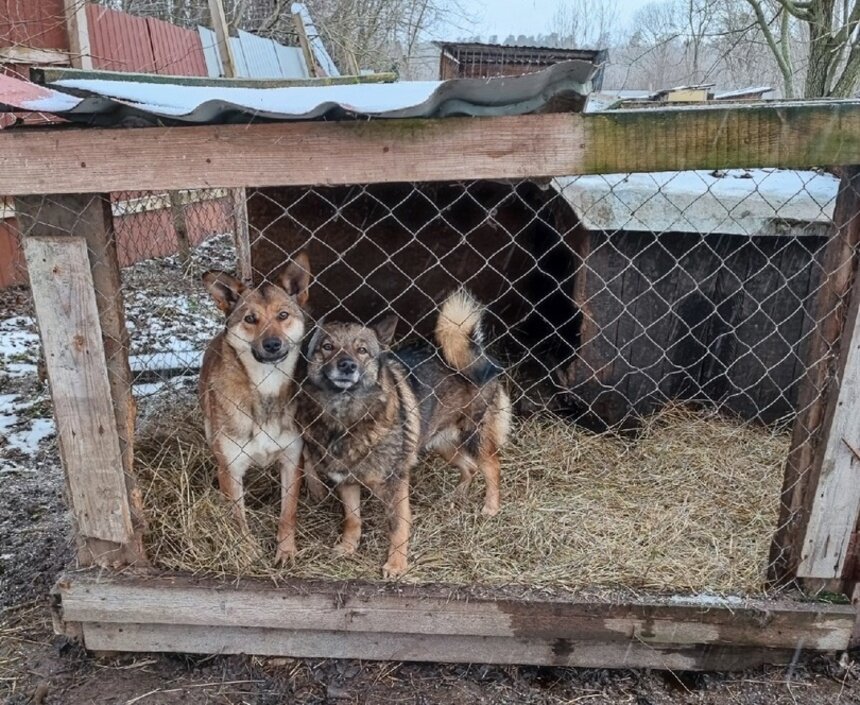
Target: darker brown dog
x=247, y=387
x=366, y=413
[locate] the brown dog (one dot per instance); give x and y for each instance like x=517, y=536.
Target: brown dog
x=247, y=387
x=366, y=413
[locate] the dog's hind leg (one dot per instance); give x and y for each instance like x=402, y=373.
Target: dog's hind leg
x=350, y=497
x=488, y=464
x=491, y=467
x=291, y=485
x=400, y=525
x=465, y=463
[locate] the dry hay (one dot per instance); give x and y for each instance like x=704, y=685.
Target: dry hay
x=688, y=505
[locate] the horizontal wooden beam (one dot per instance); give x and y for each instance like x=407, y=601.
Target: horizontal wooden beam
x=26, y=55
x=51, y=75
x=40, y=161
x=176, y=613
x=581, y=653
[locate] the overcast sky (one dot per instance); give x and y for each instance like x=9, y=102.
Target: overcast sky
x=504, y=17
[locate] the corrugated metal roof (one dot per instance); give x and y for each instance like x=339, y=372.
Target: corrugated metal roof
x=256, y=57
x=515, y=52
x=109, y=102
x=176, y=50
x=119, y=41
x=735, y=202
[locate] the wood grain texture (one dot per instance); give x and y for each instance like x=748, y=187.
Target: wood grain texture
x=65, y=303
x=422, y=647
x=417, y=611
x=89, y=216
x=241, y=235
x=79, y=36
x=836, y=499
x=451, y=149
x=818, y=399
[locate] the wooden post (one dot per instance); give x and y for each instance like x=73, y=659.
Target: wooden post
x=241, y=235
x=75, y=278
x=180, y=225
x=821, y=492
x=79, y=37
x=222, y=36
x=238, y=195
x=305, y=44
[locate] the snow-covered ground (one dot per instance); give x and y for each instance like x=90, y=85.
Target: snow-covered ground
x=169, y=317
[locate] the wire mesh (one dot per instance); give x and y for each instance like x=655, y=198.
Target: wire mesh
x=650, y=340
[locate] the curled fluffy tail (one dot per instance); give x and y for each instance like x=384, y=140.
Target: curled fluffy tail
x=461, y=337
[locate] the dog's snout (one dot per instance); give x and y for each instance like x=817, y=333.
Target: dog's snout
x=272, y=345
x=347, y=365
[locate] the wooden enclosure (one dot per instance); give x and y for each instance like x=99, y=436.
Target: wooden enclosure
x=74, y=270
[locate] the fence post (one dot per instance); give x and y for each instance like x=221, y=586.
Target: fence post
x=75, y=280
x=180, y=225
x=79, y=37
x=821, y=492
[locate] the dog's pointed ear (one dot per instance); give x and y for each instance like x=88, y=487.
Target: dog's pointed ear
x=316, y=337
x=224, y=288
x=384, y=329
x=295, y=278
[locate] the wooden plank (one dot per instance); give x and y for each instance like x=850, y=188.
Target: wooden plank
x=79, y=35
x=27, y=55
x=47, y=76
x=242, y=235
x=836, y=499
x=351, y=608
x=65, y=303
x=159, y=201
x=812, y=452
x=89, y=216
x=421, y=647
x=452, y=149
x=299, y=25
x=222, y=37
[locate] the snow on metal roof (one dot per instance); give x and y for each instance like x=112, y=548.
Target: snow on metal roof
x=100, y=101
x=735, y=202
x=741, y=92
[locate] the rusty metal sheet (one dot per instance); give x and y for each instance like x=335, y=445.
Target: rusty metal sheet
x=176, y=51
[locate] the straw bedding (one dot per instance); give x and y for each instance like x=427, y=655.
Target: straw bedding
x=687, y=505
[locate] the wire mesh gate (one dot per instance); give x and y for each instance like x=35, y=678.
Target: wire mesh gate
x=666, y=339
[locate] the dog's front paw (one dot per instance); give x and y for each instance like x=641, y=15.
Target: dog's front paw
x=490, y=509
x=395, y=566
x=286, y=552
x=345, y=547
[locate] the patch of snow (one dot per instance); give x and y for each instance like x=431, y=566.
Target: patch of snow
x=707, y=600
x=28, y=440
x=733, y=202
x=149, y=389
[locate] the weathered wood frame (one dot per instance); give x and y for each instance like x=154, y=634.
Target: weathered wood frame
x=75, y=167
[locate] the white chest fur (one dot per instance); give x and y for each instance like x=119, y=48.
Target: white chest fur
x=261, y=437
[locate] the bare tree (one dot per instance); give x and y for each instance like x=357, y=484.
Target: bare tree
x=832, y=31
x=585, y=24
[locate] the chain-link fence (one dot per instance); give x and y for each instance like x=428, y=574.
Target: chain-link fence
x=611, y=404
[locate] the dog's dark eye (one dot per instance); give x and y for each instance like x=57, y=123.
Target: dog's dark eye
x=362, y=350
x=327, y=347
x=283, y=316
x=250, y=318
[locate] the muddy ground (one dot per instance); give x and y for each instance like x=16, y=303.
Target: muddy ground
x=35, y=544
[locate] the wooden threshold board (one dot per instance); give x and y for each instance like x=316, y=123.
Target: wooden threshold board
x=413, y=623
